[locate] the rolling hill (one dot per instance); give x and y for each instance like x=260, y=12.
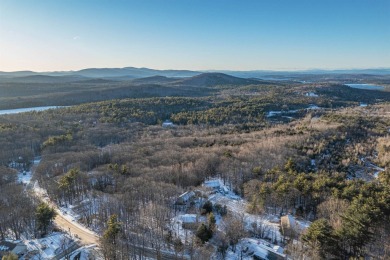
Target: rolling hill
x=214, y=79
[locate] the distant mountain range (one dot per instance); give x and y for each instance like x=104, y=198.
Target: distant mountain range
x=121, y=73
x=29, y=89
x=127, y=73
x=199, y=80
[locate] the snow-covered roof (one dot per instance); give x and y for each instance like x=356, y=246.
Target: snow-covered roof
x=278, y=249
x=311, y=94
x=212, y=183
x=273, y=113
x=188, y=218
x=48, y=247
x=313, y=107
x=7, y=246
x=186, y=195
x=264, y=250
x=167, y=123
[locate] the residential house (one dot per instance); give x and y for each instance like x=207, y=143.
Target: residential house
x=185, y=197
x=260, y=250
x=17, y=248
x=167, y=123
x=191, y=221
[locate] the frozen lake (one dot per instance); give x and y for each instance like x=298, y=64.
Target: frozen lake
x=366, y=86
x=28, y=109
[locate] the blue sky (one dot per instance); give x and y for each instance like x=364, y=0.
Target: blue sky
x=45, y=35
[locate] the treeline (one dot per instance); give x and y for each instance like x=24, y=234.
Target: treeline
x=244, y=106
x=20, y=95
x=21, y=214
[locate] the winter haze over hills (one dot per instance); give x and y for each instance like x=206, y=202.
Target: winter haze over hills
x=132, y=72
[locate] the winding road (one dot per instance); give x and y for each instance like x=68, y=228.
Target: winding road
x=86, y=236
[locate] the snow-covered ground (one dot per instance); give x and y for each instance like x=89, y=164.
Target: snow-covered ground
x=224, y=196
x=304, y=224
x=42, y=193
x=376, y=168
x=239, y=207
x=68, y=213
x=24, y=177
x=178, y=230
x=297, y=224
x=368, y=172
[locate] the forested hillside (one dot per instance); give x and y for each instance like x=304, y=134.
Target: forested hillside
x=319, y=152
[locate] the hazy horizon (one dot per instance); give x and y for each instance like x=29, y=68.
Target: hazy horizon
x=47, y=36
x=205, y=70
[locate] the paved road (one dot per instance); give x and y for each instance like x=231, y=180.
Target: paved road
x=85, y=236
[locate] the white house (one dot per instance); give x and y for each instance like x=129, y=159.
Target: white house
x=214, y=183
x=261, y=250
x=311, y=94
x=191, y=221
x=167, y=123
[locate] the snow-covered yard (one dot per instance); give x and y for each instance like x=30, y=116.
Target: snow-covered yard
x=218, y=192
x=178, y=230
x=24, y=177
x=238, y=206
x=83, y=253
